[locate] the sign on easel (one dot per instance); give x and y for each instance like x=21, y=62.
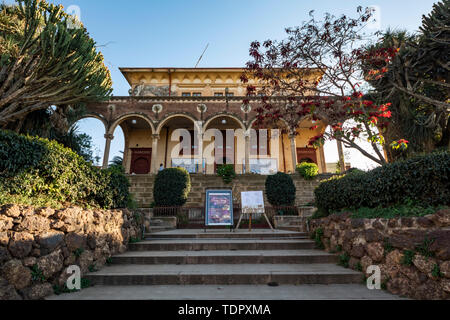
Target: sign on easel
x=219, y=208
x=253, y=203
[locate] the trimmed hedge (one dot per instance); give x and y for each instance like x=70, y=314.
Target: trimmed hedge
x=425, y=180
x=280, y=190
x=172, y=187
x=32, y=167
x=308, y=170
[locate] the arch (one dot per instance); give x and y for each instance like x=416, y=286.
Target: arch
x=252, y=122
x=118, y=121
x=225, y=115
x=94, y=115
x=169, y=117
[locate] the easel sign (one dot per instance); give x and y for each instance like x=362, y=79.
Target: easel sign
x=253, y=203
x=219, y=208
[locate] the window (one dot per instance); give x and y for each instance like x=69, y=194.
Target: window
x=196, y=94
x=218, y=94
x=186, y=94
x=230, y=94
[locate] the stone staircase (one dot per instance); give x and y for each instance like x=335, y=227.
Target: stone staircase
x=161, y=224
x=219, y=257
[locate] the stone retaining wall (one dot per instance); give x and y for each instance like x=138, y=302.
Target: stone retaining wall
x=38, y=245
x=142, y=188
x=413, y=253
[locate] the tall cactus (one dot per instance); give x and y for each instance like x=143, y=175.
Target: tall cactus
x=45, y=62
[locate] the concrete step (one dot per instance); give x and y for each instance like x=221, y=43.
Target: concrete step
x=229, y=292
x=291, y=228
x=218, y=244
x=226, y=257
x=226, y=234
x=158, y=229
x=294, y=274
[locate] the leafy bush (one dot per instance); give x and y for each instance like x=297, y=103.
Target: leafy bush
x=35, y=168
x=172, y=187
x=227, y=172
x=280, y=190
x=424, y=179
x=308, y=170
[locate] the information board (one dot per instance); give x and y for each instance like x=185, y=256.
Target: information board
x=252, y=202
x=219, y=208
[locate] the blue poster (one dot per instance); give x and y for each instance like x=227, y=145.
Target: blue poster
x=219, y=208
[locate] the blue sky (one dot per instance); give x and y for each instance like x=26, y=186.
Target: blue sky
x=158, y=33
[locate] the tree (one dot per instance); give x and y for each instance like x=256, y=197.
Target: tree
x=45, y=61
x=416, y=82
x=317, y=72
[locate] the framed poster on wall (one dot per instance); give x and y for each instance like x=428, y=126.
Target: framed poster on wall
x=219, y=208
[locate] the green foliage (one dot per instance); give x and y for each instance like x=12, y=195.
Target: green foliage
x=280, y=190
x=92, y=268
x=38, y=171
x=390, y=185
x=172, y=187
x=318, y=238
x=344, y=260
x=47, y=59
x=134, y=240
x=408, y=257
x=226, y=172
x=58, y=290
x=77, y=252
x=393, y=212
x=36, y=274
x=437, y=271
x=385, y=283
x=109, y=261
x=424, y=248
x=359, y=267
x=308, y=170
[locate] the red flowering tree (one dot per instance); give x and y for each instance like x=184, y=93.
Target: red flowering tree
x=318, y=72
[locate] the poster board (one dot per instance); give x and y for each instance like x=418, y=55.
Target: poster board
x=252, y=202
x=219, y=208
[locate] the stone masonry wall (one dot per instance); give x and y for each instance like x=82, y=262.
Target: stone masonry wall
x=413, y=253
x=38, y=245
x=142, y=188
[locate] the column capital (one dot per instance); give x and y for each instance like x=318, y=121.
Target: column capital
x=109, y=136
x=156, y=136
x=292, y=136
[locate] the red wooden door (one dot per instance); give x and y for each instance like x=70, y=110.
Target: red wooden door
x=141, y=161
x=221, y=151
x=307, y=155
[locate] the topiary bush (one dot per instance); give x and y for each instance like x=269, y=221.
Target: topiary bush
x=39, y=171
x=308, y=170
x=280, y=190
x=172, y=187
x=424, y=179
x=227, y=172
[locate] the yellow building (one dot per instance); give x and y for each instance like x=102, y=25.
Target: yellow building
x=195, y=118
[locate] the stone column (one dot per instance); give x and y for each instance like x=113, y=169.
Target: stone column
x=292, y=138
x=109, y=137
x=322, y=159
x=199, y=155
x=247, y=152
x=341, y=156
x=155, y=164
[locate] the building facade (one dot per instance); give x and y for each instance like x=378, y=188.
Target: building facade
x=195, y=118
